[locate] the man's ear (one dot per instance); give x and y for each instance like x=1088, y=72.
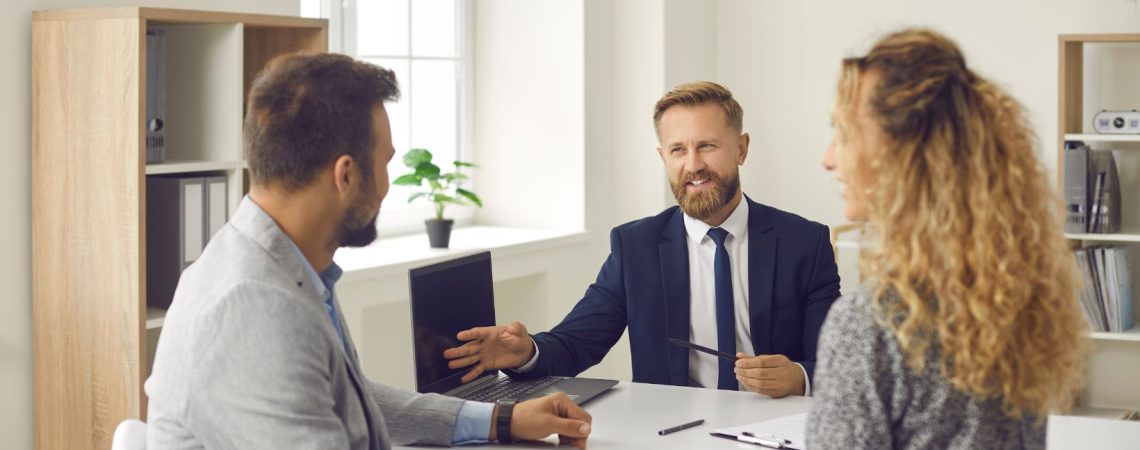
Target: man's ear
x=344, y=174
x=743, y=153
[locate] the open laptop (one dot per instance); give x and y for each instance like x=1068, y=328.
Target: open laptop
x=456, y=295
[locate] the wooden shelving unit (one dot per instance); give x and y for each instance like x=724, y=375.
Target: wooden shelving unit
x=1089, y=80
x=92, y=329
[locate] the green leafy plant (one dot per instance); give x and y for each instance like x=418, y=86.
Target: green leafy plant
x=442, y=189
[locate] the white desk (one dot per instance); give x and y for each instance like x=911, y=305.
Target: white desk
x=629, y=416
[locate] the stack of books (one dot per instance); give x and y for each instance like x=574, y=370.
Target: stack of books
x=1106, y=294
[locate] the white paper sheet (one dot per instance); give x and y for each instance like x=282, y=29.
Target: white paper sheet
x=791, y=428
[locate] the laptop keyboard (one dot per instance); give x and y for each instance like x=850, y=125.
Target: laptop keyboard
x=504, y=388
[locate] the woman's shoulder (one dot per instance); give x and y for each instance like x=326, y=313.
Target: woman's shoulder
x=854, y=310
x=856, y=320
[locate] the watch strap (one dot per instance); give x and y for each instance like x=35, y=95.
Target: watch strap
x=503, y=420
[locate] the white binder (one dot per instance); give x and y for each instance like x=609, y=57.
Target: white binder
x=217, y=205
x=193, y=224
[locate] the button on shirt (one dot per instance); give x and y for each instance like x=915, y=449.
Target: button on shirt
x=703, y=368
x=473, y=424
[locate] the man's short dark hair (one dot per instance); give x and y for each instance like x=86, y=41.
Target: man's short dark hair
x=305, y=110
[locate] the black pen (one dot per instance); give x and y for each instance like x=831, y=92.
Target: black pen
x=699, y=348
x=677, y=428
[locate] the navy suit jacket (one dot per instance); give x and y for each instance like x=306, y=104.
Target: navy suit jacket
x=644, y=285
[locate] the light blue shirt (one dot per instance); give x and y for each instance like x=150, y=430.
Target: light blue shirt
x=472, y=426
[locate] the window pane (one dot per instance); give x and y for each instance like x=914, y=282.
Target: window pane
x=382, y=27
x=433, y=28
x=399, y=117
x=434, y=109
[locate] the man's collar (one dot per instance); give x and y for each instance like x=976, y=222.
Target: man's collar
x=255, y=223
x=736, y=224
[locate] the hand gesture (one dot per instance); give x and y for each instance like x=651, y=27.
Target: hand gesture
x=554, y=414
x=772, y=375
x=489, y=348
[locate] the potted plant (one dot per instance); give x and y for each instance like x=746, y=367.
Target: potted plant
x=441, y=189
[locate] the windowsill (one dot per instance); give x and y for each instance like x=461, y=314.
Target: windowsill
x=398, y=254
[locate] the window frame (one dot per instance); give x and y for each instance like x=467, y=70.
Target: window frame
x=408, y=219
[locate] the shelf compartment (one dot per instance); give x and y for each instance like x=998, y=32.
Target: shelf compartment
x=203, y=91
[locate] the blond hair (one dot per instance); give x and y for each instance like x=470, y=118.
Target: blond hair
x=971, y=259
x=697, y=93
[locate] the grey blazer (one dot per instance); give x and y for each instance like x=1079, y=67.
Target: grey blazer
x=249, y=358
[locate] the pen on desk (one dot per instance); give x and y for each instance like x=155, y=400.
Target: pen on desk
x=766, y=435
x=760, y=441
x=680, y=427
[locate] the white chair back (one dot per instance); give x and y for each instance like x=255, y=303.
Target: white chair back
x=130, y=435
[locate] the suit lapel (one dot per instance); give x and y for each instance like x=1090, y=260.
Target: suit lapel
x=673, y=254
x=371, y=416
x=762, y=244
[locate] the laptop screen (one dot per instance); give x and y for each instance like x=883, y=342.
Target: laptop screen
x=447, y=298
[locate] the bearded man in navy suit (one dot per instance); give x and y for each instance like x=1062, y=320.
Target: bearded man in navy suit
x=720, y=271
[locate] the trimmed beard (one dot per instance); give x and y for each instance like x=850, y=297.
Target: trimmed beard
x=701, y=206
x=356, y=229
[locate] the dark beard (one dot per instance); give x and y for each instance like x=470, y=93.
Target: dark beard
x=356, y=230
x=702, y=206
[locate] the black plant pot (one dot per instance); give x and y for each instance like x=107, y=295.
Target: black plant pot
x=439, y=232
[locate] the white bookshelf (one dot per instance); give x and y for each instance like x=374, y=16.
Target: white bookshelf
x=1094, y=75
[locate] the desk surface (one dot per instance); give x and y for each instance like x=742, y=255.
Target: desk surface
x=629, y=416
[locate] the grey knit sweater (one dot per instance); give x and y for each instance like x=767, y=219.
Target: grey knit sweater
x=865, y=396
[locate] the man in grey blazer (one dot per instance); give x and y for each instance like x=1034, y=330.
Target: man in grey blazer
x=254, y=352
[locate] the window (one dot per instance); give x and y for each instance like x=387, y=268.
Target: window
x=425, y=42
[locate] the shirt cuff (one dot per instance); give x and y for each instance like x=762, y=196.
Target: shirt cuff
x=529, y=364
x=807, y=381
x=473, y=425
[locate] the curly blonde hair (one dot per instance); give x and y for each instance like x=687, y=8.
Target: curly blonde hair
x=971, y=260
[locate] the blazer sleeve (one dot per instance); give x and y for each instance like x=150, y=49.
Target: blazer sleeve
x=822, y=290
x=416, y=419
x=268, y=385
x=592, y=327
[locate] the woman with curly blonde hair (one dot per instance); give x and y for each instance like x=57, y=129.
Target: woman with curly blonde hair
x=967, y=332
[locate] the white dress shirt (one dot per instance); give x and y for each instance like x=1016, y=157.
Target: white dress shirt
x=704, y=369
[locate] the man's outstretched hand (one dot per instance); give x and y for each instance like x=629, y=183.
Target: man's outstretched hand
x=490, y=348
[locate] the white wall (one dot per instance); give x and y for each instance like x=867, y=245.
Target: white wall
x=634, y=76
x=16, y=423
x=528, y=122
x=781, y=59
